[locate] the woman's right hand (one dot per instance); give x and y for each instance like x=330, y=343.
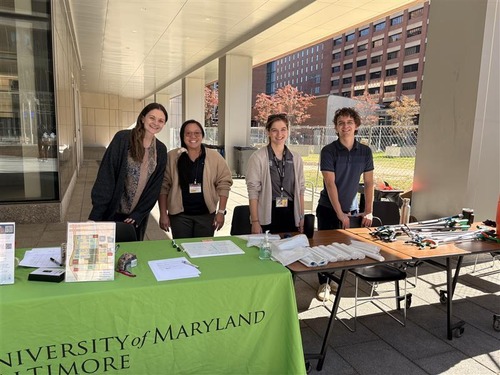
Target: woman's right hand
x=256, y=228
x=165, y=222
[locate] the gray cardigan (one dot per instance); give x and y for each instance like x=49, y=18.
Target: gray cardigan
x=259, y=186
x=110, y=183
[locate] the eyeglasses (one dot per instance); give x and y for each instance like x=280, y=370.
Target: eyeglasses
x=281, y=116
x=192, y=134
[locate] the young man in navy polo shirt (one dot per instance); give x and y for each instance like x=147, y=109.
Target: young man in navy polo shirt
x=342, y=163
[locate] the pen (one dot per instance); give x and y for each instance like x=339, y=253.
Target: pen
x=190, y=264
x=56, y=262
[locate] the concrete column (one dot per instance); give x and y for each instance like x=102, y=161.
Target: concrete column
x=458, y=157
x=235, y=102
x=193, y=99
x=164, y=135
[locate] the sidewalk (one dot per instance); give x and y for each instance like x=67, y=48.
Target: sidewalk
x=380, y=345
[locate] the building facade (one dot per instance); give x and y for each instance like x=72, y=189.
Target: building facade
x=384, y=58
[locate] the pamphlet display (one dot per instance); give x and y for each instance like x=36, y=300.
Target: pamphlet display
x=7, y=252
x=90, y=252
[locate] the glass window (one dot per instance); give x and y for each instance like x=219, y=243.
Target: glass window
x=376, y=59
x=414, y=32
x=378, y=43
x=396, y=20
x=392, y=55
x=416, y=13
x=394, y=37
x=391, y=72
x=361, y=78
x=362, y=47
x=28, y=132
x=336, y=69
x=335, y=82
x=364, y=32
x=374, y=90
x=411, y=68
x=336, y=56
x=359, y=92
x=412, y=50
x=379, y=26
x=346, y=80
x=350, y=37
x=349, y=52
x=347, y=66
x=409, y=86
x=390, y=88
x=346, y=94
x=375, y=75
x=337, y=42
x=360, y=63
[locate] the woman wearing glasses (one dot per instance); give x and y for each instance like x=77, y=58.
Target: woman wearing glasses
x=275, y=183
x=196, y=180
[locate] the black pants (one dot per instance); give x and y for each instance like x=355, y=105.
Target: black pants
x=282, y=219
x=192, y=226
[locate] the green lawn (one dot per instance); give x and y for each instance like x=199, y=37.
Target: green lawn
x=398, y=172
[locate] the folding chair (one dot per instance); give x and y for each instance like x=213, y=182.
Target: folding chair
x=125, y=232
x=377, y=274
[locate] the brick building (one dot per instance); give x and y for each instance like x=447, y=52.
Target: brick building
x=384, y=57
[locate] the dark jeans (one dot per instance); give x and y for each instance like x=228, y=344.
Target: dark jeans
x=282, y=219
x=192, y=226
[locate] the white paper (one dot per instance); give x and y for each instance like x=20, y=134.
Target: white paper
x=173, y=269
x=7, y=252
x=211, y=248
x=40, y=257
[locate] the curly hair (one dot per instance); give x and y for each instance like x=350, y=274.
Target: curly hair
x=347, y=112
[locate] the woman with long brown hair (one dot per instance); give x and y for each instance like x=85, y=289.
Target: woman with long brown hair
x=131, y=172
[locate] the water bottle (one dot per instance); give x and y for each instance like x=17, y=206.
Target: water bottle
x=265, y=248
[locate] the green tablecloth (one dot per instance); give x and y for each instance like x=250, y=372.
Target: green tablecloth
x=239, y=316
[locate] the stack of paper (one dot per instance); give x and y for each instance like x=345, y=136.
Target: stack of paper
x=173, y=269
x=42, y=257
x=211, y=248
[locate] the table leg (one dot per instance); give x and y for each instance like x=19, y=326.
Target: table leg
x=322, y=355
x=451, y=283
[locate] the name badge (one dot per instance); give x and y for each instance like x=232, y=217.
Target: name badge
x=282, y=202
x=194, y=188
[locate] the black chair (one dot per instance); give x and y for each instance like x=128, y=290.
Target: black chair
x=387, y=212
x=375, y=275
x=125, y=232
x=241, y=221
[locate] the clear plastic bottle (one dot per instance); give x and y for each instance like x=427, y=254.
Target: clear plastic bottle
x=265, y=248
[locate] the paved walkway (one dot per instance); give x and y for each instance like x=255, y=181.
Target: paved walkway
x=380, y=345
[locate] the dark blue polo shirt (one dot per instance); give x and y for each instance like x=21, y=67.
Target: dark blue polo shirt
x=348, y=167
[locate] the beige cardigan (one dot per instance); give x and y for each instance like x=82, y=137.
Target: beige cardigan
x=217, y=181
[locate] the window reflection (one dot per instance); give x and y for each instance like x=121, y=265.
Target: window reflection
x=28, y=132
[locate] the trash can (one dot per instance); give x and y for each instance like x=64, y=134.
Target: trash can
x=220, y=149
x=241, y=156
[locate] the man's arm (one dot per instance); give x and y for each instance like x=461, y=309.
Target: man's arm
x=331, y=188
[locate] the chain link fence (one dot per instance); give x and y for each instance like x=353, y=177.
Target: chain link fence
x=393, y=150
